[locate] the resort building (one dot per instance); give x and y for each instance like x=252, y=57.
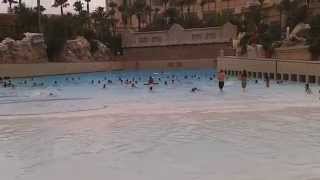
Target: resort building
x=205, y=8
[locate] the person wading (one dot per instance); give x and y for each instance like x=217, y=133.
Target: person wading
x=221, y=78
x=243, y=79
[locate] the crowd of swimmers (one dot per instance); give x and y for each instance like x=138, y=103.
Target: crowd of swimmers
x=151, y=82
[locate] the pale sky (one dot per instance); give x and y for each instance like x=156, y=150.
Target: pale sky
x=48, y=3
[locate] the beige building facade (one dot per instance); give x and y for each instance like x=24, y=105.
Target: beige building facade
x=203, y=8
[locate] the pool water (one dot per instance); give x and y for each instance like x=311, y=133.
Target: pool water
x=77, y=130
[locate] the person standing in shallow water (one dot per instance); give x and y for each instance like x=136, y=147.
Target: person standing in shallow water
x=221, y=78
x=267, y=81
x=243, y=79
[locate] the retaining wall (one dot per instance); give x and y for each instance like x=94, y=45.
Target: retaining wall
x=27, y=70
x=302, y=71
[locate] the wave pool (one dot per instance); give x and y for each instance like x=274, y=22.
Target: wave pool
x=71, y=127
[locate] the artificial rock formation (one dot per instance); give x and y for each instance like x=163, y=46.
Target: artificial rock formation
x=31, y=49
x=102, y=53
x=79, y=50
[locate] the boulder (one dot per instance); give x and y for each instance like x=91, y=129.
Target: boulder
x=76, y=50
x=102, y=53
x=31, y=49
x=79, y=50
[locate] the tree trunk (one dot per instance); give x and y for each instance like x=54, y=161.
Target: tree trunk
x=61, y=9
x=39, y=16
x=280, y=21
x=202, y=11
x=88, y=7
x=150, y=14
x=139, y=23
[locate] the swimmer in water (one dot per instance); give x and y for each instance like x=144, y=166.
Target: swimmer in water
x=165, y=83
x=150, y=81
x=193, y=90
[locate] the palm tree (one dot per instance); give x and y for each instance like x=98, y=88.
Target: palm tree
x=62, y=4
x=88, y=6
x=181, y=4
x=148, y=11
x=125, y=11
x=112, y=13
x=98, y=14
x=10, y=2
x=78, y=6
x=283, y=7
x=139, y=8
x=189, y=3
x=39, y=15
x=165, y=3
x=202, y=4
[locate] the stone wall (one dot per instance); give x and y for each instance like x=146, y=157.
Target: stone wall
x=177, y=35
x=294, y=53
x=185, y=52
x=42, y=69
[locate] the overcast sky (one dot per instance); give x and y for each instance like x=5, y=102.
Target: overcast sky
x=48, y=3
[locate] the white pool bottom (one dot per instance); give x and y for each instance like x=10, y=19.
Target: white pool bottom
x=121, y=133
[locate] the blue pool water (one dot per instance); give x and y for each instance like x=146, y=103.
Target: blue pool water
x=77, y=130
